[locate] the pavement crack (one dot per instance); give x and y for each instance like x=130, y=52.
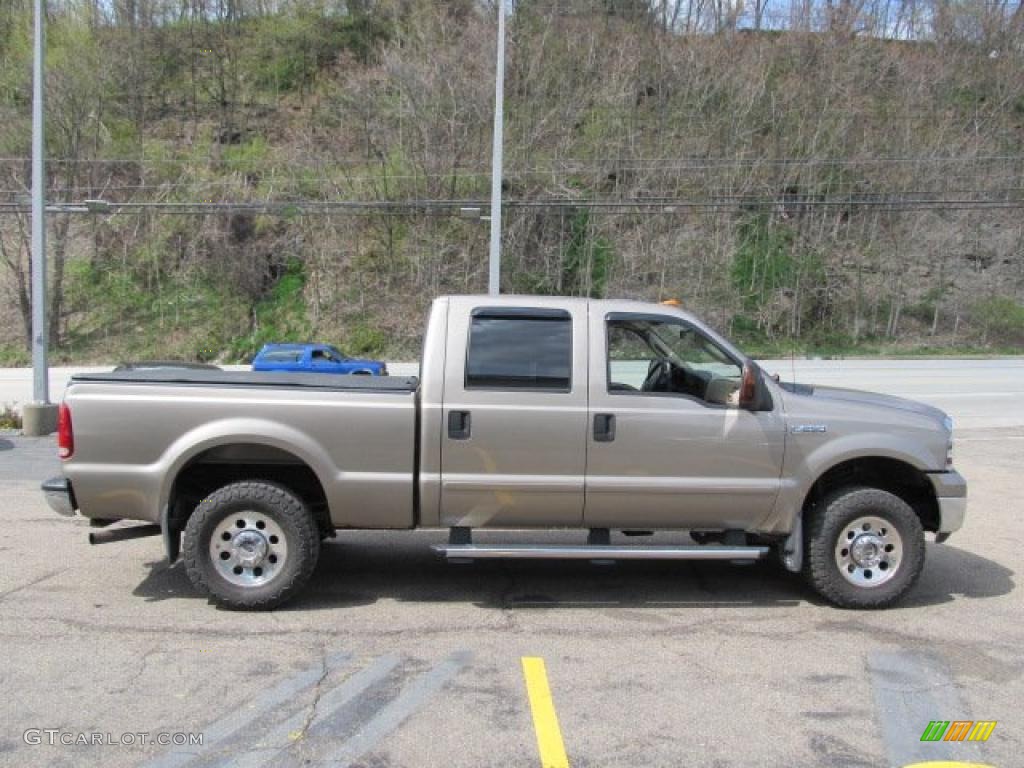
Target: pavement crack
x=130, y=683
x=32, y=583
x=317, y=692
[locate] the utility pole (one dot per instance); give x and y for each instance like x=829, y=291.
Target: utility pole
x=40, y=416
x=494, y=278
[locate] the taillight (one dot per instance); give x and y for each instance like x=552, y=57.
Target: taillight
x=65, y=434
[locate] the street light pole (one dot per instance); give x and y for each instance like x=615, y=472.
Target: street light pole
x=494, y=278
x=39, y=417
x=40, y=385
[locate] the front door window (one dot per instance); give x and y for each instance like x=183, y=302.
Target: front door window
x=669, y=357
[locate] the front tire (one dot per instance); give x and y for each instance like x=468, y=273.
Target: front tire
x=251, y=545
x=865, y=548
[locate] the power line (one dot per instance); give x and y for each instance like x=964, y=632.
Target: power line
x=645, y=206
x=651, y=163
x=723, y=192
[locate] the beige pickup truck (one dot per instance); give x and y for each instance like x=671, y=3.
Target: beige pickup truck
x=529, y=413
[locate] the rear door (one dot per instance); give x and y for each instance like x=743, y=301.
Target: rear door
x=514, y=414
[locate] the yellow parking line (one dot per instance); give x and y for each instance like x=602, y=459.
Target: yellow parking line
x=545, y=721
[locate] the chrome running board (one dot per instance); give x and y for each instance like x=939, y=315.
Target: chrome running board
x=595, y=552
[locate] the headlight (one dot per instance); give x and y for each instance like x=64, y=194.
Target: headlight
x=947, y=422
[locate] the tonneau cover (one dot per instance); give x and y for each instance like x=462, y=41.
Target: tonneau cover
x=203, y=378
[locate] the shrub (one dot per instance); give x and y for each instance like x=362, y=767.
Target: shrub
x=364, y=341
x=1001, y=319
x=9, y=417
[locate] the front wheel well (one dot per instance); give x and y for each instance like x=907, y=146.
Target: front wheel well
x=224, y=464
x=897, y=477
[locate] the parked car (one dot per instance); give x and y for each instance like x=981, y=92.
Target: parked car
x=314, y=358
x=532, y=413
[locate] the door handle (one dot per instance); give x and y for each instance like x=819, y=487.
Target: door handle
x=604, y=427
x=459, y=425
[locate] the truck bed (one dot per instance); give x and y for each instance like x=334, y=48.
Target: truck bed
x=136, y=432
x=187, y=376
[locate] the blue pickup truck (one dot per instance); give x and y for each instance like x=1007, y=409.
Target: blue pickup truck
x=314, y=358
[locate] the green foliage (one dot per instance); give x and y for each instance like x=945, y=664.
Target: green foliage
x=1001, y=318
x=14, y=356
x=122, y=136
x=363, y=340
x=764, y=261
x=187, y=316
x=586, y=259
x=921, y=311
x=280, y=316
x=774, y=274
x=291, y=50
x=248, y=157
x=15, y=58
x=9, y=417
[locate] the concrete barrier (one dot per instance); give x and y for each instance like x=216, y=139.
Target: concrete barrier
x=38, y=419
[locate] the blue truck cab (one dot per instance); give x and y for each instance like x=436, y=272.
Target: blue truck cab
x=314, y=358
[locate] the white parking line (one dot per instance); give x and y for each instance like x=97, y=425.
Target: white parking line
x=912, y=689
x=279, y=738
x=398, y=710
x=219, y=732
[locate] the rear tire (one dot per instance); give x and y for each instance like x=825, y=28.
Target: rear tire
x=865, y=548
x=251, y=545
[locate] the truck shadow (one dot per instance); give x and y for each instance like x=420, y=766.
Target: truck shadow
x=362, y=568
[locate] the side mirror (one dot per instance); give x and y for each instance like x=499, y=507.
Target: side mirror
x=750, y=386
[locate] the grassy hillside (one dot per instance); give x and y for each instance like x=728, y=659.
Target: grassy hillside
x=827, y=184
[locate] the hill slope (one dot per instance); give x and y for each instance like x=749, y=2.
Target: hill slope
x=819, y=187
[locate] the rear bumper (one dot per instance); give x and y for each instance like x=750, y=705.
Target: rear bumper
x=951, y=494
x=60, y=496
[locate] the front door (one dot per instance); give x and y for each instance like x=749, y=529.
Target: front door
x=668, y=446
x=513, y=445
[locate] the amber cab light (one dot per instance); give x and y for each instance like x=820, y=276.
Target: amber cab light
x=65, y=435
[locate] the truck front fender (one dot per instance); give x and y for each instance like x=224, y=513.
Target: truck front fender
x=809, y=457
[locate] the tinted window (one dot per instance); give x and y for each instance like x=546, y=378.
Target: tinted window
x=510, y=351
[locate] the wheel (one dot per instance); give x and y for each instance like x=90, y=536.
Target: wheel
x=865, y=548
x=251, y=545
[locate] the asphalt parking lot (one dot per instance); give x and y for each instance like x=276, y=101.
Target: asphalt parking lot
x=394, y=658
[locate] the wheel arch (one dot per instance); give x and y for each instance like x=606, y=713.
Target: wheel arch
x=230, y=451
x=897, y=476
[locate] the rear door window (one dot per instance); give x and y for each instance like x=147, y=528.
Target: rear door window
x=519, y=349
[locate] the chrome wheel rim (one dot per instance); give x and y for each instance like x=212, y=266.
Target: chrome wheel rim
x=248, y=548
x=869, y=551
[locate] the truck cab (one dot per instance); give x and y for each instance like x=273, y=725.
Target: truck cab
x=577, y=412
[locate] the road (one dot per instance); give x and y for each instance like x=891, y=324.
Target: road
x=977, y=393
x=394, y=658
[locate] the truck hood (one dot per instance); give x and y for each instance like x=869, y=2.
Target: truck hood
x=868, y=398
